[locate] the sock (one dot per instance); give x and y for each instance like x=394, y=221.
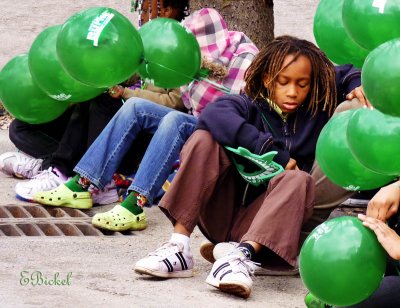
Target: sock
x=133, y=203
x=244, y=250
x=183, y=239
x=78, y=183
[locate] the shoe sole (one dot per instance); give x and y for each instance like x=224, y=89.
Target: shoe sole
x=234, y=288
x=119, y=229
x=75, y=205
x=206, y=251
x=179, y=274
x=22, y=198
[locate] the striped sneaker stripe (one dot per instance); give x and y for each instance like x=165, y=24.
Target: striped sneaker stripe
x=182, y=260
x=221, y=267
x=168, y=265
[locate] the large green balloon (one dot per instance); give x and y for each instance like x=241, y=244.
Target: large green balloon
x=338, y=163
x=331, y=36
x=23, y=98
x=373, y=139
x=341, y=262
x=172, y=54
x=380, y=77
x=372, y=22
x=99, y=47
x=48, y=73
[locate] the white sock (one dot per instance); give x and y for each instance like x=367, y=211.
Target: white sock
x=183, y=239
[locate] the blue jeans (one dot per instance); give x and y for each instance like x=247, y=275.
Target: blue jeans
x=170, y=129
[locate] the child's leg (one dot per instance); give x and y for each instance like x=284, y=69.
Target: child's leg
x=274, y=219
x=203, y=162
x=156, y=165
x=106, y=153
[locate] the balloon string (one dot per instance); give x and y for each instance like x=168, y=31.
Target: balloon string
x=215, y=85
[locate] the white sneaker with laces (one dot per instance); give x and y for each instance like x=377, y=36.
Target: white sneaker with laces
x=225, y=248
x=44, y=181
x=106, y=196
x=20, y=165
x=168, y=261
x=232, y=274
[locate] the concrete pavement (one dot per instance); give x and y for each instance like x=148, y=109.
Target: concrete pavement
x=101, y=272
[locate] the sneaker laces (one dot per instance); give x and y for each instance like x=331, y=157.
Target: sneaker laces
x=167, y=249
x=26, y=166
x=45, y=180
x=243, y=265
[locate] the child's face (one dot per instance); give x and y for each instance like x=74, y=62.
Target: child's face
x=145, y=16
x=292, y=85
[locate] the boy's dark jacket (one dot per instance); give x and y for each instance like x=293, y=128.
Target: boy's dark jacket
x=236, y=120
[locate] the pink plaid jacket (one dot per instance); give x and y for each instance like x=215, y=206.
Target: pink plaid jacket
x=232, y=49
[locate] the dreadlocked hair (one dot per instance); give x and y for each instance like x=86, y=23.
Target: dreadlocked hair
x=268, y=64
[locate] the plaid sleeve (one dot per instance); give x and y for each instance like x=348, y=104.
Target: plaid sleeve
x=234, y=80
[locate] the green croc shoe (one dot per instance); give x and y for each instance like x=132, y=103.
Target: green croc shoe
x=64, y=197
x=120, y=219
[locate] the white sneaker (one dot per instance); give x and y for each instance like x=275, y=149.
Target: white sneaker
x=106, y=196
x=44, y=181
x=20, y=165
x=225, y=248
x=232, y=274
x=168, y=261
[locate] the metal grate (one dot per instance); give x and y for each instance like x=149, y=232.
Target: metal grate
x=36, y=220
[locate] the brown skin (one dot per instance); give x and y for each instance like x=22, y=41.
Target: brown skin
x=360, y=95
x=291, y=88
x=388, y=238
x=385, y=203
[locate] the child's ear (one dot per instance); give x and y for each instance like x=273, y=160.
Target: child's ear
x=266, y=81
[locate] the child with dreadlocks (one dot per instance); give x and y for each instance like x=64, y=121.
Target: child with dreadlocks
x=290, y=94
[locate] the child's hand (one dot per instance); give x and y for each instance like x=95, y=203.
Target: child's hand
x=388, y=238
x=116, y=91
x=360, y=95
x=385, y=203
x=292, y=165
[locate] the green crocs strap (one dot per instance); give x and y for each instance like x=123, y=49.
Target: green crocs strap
x=268, y=168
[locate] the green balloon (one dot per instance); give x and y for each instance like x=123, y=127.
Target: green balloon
x=331, y=36
x=23, y=98
x=338, y=163
x=371, y=22
x=380, y=77
x=373, y=139
x=341, y=262
x=99, y=47
x=171, y=52
x=49, y=75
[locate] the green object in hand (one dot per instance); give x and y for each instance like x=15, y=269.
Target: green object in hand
x=268, y=168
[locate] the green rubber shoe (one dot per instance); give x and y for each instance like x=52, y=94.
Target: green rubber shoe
x=64, y=197
x=120, y=219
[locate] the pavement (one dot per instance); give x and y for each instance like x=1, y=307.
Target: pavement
x=97, y=271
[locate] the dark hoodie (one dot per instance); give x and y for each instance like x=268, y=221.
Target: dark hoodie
x=237, y=120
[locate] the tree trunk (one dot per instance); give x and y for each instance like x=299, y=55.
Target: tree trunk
x=253, y=17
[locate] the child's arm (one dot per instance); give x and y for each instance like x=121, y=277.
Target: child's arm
x=228, y=120
x=167, y=97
